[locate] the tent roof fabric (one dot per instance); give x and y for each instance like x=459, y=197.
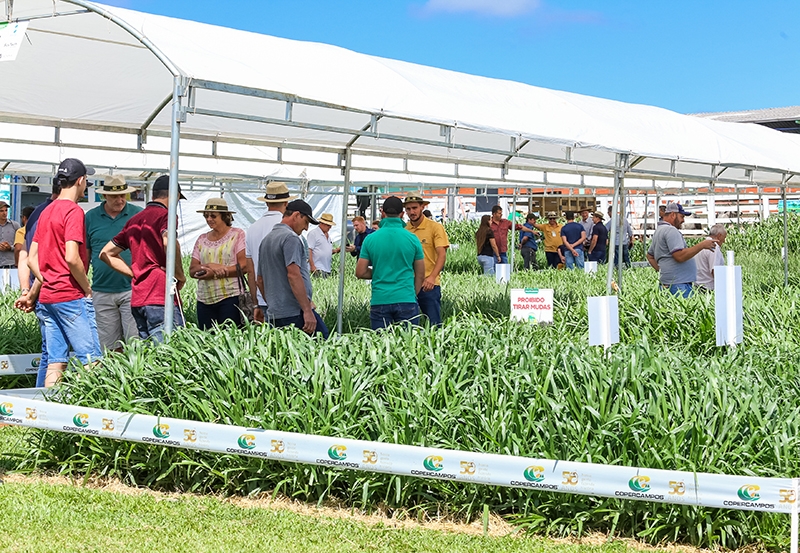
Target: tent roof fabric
x=112, y=69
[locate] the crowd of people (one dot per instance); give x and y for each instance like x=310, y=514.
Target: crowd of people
x=682, y=269
x=270, y=263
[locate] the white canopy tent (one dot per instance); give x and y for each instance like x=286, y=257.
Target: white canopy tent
x=228, y=102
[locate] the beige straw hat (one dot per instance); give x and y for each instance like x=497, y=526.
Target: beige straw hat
x=217, y=205
x=277, y=192
x=327, y=219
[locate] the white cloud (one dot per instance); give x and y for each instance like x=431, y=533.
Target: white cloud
x=497, y=8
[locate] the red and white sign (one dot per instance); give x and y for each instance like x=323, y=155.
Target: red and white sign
x=533, y=305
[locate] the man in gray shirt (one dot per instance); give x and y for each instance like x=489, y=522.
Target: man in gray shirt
x=626, y=236
x=669, y=255
x=8, y=229
x=283, y=276
x=588, y=227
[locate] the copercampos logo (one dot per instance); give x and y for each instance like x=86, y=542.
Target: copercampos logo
x=433, y=463
x=749, y=493
x=247, y=441
x=639, y=484
x=534, y=474
x=337, y=452
x=7, y=409
x=81, y=420
x=161, y=431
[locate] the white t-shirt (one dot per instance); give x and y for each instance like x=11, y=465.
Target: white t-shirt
x=254, y=235
x=706, y=261
x=321, y=249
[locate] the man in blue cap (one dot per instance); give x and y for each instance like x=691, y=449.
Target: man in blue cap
x=669, y=255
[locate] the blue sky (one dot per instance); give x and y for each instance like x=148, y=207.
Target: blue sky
x=684, y=55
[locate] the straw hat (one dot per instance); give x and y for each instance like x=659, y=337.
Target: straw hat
x=277, y=193
x=217, y=205
x=326, y=219
x=115, y=185
x=551, y=214
x=415, y=199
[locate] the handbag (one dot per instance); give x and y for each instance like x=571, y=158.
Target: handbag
x=246, y=303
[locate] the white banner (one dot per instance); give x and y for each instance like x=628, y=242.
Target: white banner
x=11, y=37
x=533, y=305
x=19, y=364
x=663, y=486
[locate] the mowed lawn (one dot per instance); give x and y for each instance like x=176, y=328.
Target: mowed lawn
x=40, y=514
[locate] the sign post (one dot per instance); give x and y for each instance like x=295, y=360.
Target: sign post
x=502, y=273
x=533, y=305
x=603, y=321
x=728, y=303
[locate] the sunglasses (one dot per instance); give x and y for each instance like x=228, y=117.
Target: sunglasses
x=210, y=215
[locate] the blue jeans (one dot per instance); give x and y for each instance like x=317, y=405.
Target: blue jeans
x=150, y=321
x=209, y=314
x=573, y=261
x=504, y=257
x=598, y=255
x=299, y=322
x=487, y=262
x=430, y=303
x=381, y=316
x=40, y=376
x=683, y=290
x=71, y=323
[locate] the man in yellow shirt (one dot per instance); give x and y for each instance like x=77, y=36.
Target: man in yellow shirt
x=434, y=247
x=552, y=240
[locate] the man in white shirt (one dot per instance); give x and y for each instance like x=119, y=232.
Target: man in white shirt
x=320, y=248
x=706, y=260
x=276, y=198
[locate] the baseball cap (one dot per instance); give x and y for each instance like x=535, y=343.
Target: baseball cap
x=162, y=183
x=673, y=207
x=302, y=207
x=72, y=169
x=393, y=205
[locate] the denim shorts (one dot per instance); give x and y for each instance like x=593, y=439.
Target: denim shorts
x=71, y=323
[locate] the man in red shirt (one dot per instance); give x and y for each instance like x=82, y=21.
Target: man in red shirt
x=58, y=259
x=500, y=228
x=145, y=235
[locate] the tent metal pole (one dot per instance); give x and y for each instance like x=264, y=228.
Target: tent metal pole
x=513, y=232
x=612, y=238
x=785, y=236
x=619, y=175
x=172, y=222
x=373, y=205
x=644, y=231
x=343, y=239
x=738, y=209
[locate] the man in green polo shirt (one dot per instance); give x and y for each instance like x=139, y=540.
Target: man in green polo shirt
x=111, y=290
x=392, y=257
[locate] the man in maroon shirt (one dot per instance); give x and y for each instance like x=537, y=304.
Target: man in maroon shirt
x=58, y=259
x=145, y=235
x=500, y=228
